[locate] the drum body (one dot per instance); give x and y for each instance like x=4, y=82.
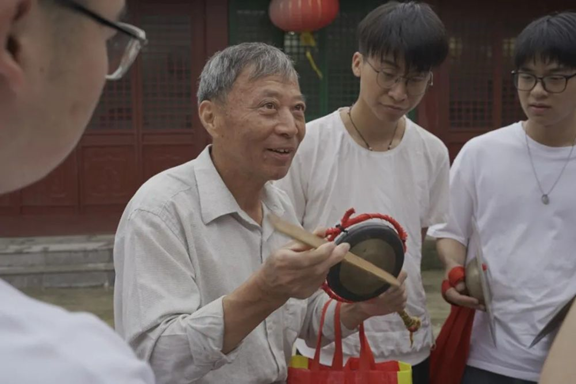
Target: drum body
x=375, y=242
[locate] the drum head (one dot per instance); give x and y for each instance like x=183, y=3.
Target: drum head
x=375, y=242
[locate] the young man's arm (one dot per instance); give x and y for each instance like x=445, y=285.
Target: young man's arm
x=452, y=236
x=453, y=254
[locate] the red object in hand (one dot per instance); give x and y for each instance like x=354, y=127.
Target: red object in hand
x=449, y=357
x=303, y=16
x=455, y=276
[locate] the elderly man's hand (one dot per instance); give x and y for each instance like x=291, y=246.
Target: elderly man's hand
x=298, y=271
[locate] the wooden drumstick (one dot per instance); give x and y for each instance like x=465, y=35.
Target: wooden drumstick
x=314, y=241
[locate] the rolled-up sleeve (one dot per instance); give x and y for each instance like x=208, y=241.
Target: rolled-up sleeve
x=158, y=307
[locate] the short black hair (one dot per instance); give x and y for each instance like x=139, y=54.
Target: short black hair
x=410, y=29
x=551, y=38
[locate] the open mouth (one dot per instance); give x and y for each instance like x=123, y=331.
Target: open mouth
x=281, y=151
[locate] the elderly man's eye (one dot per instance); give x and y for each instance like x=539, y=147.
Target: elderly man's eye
x=269, y=106
x=300, y=108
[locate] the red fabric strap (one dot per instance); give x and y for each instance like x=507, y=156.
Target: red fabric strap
x=338, y=360
x=346, y=222
x=315, y=363
x=445, y=287
x=456, y=275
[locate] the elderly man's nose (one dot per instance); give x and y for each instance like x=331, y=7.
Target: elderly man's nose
x=287, y=124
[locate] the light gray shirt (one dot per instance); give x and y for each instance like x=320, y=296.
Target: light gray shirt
x=182, y=244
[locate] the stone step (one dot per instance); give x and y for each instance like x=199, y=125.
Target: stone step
x=69, y=261
x=85, y=261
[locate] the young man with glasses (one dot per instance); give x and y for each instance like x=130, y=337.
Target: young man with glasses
x=387, y=162
x=54, y=60
x=518, y=185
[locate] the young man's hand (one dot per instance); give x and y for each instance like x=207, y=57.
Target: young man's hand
x=458, y=295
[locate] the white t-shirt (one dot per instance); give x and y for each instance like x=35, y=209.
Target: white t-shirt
x=42, y=343
x=529, y=247
x=332, y=173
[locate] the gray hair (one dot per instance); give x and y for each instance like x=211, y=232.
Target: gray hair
x=222, y=70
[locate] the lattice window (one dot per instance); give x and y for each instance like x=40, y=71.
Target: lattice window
x=254, y=25
x=511, y=108
x=166, y=70
x=341, y=45
x=249, y=21
x=471, y=72
x=309, y=80
x=114, y=112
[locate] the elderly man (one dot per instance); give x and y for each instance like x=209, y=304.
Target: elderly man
x=53, y=65
x=205, y=289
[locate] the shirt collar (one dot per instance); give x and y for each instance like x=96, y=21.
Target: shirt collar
x=216, y=200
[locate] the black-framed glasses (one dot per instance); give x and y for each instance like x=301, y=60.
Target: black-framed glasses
x=524, y=81
x=415, y=85
x=123, y=48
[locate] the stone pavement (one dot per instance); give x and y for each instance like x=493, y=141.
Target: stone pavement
x=99, y=300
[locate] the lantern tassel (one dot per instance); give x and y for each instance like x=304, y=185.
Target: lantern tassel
x=307, y=40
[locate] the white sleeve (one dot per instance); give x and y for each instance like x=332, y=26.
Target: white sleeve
x=462, y=200
x=42, y=343
x=295, y=184
x=101, y=353
x=439, y=190
x=157, y=304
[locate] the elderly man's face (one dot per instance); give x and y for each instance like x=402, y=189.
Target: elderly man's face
x=261, y=125
x=52, y=70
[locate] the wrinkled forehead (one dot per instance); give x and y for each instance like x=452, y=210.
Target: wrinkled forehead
x=251, y=84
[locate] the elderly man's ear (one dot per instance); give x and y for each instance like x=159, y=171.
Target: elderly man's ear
x=210, y=114
x=11, y=14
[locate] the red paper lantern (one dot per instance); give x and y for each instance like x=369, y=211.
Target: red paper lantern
x=303, y=15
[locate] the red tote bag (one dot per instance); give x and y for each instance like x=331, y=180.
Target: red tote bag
x=358, y=370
